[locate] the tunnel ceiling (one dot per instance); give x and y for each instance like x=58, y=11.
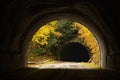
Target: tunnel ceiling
x=20, y=19
x=17, y=15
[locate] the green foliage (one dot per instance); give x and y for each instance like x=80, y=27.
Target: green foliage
x=50, y=37
x=65, y=27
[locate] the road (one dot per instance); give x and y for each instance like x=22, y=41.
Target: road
x=60, y=74
x=66, y=65
x=61, y=71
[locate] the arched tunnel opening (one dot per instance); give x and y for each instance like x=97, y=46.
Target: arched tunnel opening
x=21, y=19
x=63, y=40
x=74, y=52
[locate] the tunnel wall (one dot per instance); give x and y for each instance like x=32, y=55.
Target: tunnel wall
x=19, y=16
x=11, y=62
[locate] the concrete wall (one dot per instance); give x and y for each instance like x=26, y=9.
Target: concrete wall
x=10, y=62
x=20, y=19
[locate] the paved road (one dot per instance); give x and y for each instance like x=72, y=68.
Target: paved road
x=60, y=74
x=66, y=65
x=64, y=71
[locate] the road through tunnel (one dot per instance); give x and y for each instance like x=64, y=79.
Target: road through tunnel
x=70, y=41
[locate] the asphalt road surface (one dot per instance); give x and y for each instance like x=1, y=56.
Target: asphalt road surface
x=65, y=65
x=62, y=72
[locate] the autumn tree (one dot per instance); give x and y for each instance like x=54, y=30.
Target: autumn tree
x=50, y=37
x=89, y=40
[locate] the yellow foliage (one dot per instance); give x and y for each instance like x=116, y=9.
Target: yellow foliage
x=41, y=36
x=89, y=41
x=58, y=34
x=90, y=65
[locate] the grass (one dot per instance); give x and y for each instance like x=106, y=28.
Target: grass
x=91, y=65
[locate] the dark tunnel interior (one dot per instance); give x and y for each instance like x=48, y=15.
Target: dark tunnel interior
x=20, y=19
x=74, y=52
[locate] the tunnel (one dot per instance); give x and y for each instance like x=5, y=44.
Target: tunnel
x=20, y=19
x=74, y=52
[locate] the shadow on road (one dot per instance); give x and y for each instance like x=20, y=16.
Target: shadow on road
x=60, y=74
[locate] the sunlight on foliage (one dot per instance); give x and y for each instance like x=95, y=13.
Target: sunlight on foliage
x=41, y=36
x=88, y=40
x=50, y=37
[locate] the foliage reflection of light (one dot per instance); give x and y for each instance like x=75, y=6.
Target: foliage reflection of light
x=46, y=39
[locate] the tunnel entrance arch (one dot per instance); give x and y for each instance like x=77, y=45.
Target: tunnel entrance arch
x=93, y=24
x=79, y=19
x=53, y=35
x=74, y=52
